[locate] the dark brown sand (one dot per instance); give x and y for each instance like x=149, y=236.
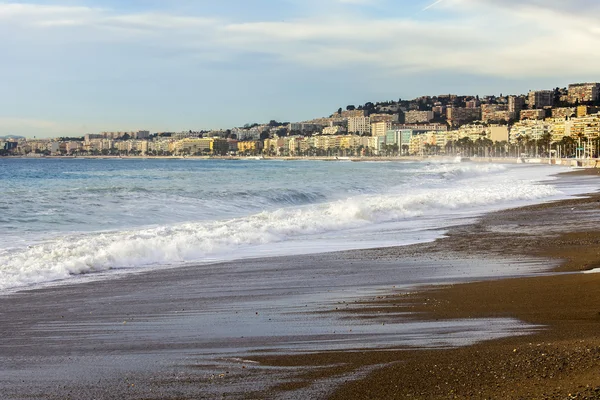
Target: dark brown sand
x=561, y=361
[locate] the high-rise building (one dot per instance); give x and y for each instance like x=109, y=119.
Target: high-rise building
x=541, y=99
x=360, y=125
x=458, y=116
x=495, y=112
x=584, y=92
x=380, y=128
x=415, y=117
x=516, y=104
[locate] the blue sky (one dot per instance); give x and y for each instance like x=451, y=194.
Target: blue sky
x=72, y=67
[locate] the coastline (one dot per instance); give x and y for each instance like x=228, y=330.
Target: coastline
x=546, y=231
x=559, y=361
x=570, y=162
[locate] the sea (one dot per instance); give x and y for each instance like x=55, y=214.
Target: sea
x=66, y=219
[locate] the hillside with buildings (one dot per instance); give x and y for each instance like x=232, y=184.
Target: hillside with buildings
x=560, y=122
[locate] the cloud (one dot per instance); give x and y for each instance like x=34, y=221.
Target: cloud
x=529, y=38
x=101, y=50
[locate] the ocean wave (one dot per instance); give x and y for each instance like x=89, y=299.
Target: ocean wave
x=69, y=255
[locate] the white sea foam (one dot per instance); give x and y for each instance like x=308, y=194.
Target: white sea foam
x=464, y=189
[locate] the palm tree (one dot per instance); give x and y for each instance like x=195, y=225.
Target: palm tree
x=568, y=145
x=546, y=143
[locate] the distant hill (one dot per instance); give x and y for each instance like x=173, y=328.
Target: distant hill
x=11, y=137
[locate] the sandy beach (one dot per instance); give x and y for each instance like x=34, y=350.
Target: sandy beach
x=136, y=337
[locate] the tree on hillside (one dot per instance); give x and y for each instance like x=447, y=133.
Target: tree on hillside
x=264, y=135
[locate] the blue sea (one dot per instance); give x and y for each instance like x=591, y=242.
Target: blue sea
x=61, y=219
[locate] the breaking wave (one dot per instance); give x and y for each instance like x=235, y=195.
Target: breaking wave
x=174, y=244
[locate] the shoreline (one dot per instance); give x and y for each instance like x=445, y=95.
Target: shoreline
x=569, y=162
x=73, y=311
x=560, y=361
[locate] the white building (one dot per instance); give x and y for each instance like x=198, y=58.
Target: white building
x=359, y=125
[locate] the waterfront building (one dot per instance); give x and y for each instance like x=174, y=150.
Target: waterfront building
x=529, y=130
x=160, y=146
x=588, y=127
x=249, y=147
x=199, y=146
x=559, y=128
x=473, y=131
x=398, y=136
x=498, y=133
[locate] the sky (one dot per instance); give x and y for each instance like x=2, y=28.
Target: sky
x=70, y=67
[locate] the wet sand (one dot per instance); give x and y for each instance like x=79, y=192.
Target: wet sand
x=560, y=361
x=137, y=337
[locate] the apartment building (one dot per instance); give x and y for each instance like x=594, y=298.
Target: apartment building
x=541, y=99
x=582, y=111
x=533, y=114
x=383, y=118
x=333, y=130
x=529, y=129
x=201, y=146
x=160, y=146
x=419, y=129
x=583, y=92
x=516, y=104
x=380, y=128
x=588, y=126
x=495, y=112
x=473, y=131
x=458, y=115
x=400, y=137
x=360, y=125
x=564, y=112
x=249, y=146
x=559, y=128
x=416, y=117
x=419, y=143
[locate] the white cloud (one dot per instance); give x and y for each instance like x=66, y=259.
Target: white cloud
x=483, y=37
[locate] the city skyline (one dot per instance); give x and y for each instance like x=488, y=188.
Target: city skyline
x=85, y=66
